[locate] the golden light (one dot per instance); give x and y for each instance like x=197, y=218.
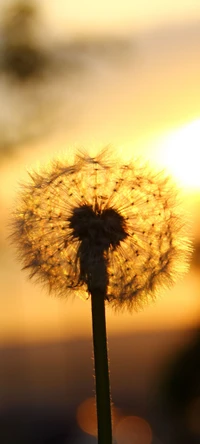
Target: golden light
x=179, y=152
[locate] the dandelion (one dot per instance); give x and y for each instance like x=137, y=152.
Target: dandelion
x=101, y=228
x=99, y=224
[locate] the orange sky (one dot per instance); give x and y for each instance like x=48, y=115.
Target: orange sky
x=131, y=107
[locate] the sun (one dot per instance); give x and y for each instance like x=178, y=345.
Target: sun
x=179, y=152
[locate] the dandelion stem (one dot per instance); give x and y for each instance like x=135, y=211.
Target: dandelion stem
x=103, y=398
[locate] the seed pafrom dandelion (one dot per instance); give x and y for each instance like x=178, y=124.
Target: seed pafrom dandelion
x=98, y=224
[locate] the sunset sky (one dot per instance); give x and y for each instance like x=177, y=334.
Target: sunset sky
x=147, y=105
x=120, y=15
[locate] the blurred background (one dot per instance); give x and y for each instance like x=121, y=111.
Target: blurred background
x=83, y=74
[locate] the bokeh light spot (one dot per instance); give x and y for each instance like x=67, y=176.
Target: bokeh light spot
x=87, y=418
x=133, y=430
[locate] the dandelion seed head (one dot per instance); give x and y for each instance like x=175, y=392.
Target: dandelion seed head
x=100, y=224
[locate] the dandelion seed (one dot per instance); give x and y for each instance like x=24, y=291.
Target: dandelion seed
x=104, y=225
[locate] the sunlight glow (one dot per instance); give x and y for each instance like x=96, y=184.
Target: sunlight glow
x=180, y=154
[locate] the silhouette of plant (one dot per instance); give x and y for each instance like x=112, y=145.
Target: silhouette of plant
x=98, y=222
x=99, y=227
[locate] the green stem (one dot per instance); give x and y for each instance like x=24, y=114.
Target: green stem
x=103, y=398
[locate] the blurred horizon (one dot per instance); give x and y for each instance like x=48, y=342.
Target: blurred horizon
x=120, y=16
